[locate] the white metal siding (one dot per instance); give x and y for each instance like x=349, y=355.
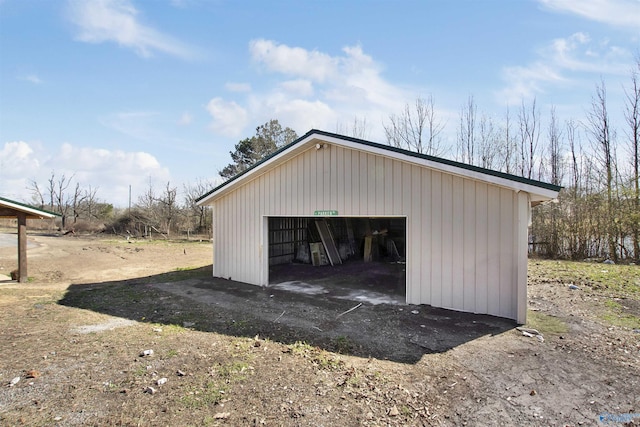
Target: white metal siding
x=463, y=236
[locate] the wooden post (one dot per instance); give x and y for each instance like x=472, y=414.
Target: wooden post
x=22, y=247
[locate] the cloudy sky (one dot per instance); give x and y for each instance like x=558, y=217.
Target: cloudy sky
x=121, y=93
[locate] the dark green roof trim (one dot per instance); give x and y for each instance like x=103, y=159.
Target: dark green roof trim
x=24, y=205
x=447, y=162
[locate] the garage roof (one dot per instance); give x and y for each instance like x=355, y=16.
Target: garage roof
x=539, y=191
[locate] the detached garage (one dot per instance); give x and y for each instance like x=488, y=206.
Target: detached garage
x=462, y=230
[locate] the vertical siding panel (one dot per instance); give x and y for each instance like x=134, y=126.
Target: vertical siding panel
x=222, y=234
x=421, y=209
x=334, y=174
x=413, y=252
x=254, y=258
x=444, y=225
x=215, y=214
x=320, y=183
x=521, y=241
x=217, y=233
x=233, y=229
x=482, y=248
x=289, y=186
x=457, y=301
x=326, y=177
x=398, y=190
x=355, y=184
x=248, y=241
x=299, y=187
x=422, y=294
x=379, y=186
x=406, y=195
x=363, y=172
x=506, y=252
x=493, y=245
x=279, y=193
x=388, y=186
x=469, y=246
x=371, y=184
x=348, y=171
x=339, y=172
x=309, y=173
x=267, y=193
x=432, y=233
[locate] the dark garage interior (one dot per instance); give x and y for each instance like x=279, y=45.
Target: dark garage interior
x=339, y=253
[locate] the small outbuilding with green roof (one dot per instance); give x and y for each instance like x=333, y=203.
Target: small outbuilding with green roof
x=461, y=230
x=22, y=212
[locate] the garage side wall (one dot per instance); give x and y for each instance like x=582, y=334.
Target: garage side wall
x=461, y=233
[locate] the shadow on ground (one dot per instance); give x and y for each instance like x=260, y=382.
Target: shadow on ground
x=401, y=333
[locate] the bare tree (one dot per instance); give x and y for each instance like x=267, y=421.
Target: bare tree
x=466, y=132
x=199, y=216
x=509, y=147
x=36, y=193
x=357, y=129
x=91, y=202
x=599, y=129
x=555, y=149
x=167, y=204
x=529, y=121
x=417, y=129
x=489, y=147
x=57, y=190
x=632, y=116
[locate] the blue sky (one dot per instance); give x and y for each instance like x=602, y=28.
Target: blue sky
x=131, y=92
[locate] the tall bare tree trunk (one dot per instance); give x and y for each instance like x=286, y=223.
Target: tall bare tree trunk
x=632, y=115
x=601, y=137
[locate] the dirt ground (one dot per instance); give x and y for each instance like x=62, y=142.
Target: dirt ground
x=225, y=353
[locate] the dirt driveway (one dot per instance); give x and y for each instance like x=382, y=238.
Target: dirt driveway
x=235, y=354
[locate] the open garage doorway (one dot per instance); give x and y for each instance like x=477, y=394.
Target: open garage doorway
x=357, y=258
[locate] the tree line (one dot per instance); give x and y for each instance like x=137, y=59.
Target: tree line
x=597, y=214
x=157, y=211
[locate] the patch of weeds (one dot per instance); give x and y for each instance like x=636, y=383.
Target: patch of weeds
x=299, y=348
x=140, y=371
x=233, y=371
x=405, y=411
x=241, y=346
x=211, y=394
x=318, y=357
x=615, y=315
x=545, y=324
x=171, y=353
x=342, y=345
x=166, y=328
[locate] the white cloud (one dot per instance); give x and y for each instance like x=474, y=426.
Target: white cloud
x=229, y=118
x=17, y=156
x=111, y=172
x=238, y=87
x=31, y=78
x=136, y=124
x=186, y=119
x=293, y=61
x=312, y=89
x=100, y=21
x=299, y=87
x=564, y=62
x=618, y=13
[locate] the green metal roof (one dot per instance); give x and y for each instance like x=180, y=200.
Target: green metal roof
x=390, y=148
x=27, y=208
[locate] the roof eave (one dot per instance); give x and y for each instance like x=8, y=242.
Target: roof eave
x=539, y=191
